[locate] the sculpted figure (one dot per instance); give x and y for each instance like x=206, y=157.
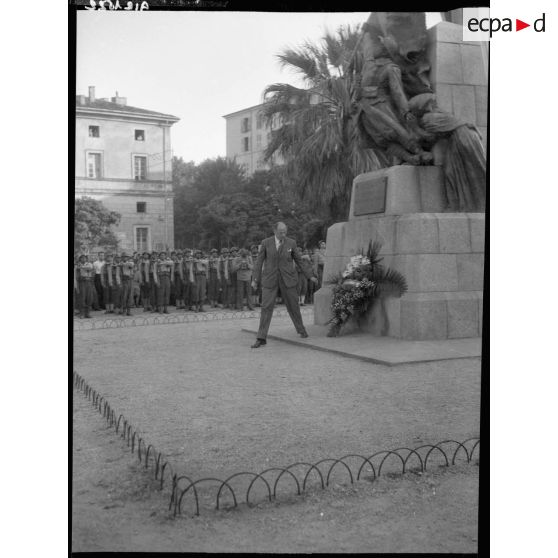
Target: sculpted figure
x=382, y=105
x=463, y=156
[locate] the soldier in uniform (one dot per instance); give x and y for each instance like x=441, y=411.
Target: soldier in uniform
x=76, y=287
x=179, y=280
x=257, y=292
x=152, y=283
x=232, y=274
x=243, y=266
x=86, y=276
x=164, y=276
x=98, y=266
x=117, y=263
x=225, y=278
x=172, y=296
x=200, y=267
x=126, y=278
x=189, y=282
x=214, y=281
x=144, y=280
x=108, y=281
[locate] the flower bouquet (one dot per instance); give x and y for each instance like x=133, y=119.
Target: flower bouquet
x=363, y=281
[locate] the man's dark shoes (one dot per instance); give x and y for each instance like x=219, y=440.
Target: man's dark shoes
x=259, y=343
x=304, y=334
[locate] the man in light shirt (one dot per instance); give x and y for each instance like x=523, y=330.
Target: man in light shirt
x=98, y=267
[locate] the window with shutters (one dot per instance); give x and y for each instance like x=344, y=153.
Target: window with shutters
x=142, y=239
x=245, y=125
x=94, y=169
x=140, y=167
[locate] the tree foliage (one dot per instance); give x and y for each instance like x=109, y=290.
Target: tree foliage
x=194, y=187
x=93, y=224
x=216, y=205
x=318, y=138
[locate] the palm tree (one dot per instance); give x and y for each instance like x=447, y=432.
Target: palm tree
x=317, y=137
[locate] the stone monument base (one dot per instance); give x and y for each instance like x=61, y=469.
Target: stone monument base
x=440, y=254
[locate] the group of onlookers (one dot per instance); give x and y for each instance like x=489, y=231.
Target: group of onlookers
x=187, y=279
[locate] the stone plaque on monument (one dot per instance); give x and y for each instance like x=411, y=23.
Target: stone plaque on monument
x=370, y=196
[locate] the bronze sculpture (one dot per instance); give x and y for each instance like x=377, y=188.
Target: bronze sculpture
x=464, y=160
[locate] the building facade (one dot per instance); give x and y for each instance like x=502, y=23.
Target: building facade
x=124, y=159
x=247, y=137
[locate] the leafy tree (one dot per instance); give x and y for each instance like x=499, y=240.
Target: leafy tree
x=318, y=139
x=281, y=193
x=237, y=219
x=194, y=187
x=92, y=224
x=185, y=211
x=216, y=205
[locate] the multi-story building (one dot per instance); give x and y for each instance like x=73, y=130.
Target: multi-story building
x=247, y=137
x=124, y=159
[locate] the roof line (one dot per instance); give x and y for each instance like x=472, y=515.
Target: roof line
x=129, y=114
x=243, y=110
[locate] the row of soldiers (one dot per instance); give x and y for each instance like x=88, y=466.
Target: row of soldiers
x=190, y=277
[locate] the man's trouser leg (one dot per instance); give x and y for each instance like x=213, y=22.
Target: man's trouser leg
x=126, y=293
x=187, y=294
x=268, y=303
x=239, y=293
x=290, y=298
x=145, y=295
x=160, y=292
x=165, y=284
x=99, y=289
x=154, y=289
x=85, y=288
x=232, y=293
x=94, y=297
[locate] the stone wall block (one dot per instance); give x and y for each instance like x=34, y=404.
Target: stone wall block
x=477, y=225
x=422, y=319
x=464, y=102
x=417, y=234
x=473, y=65
x=444, y=96
x=448, y=63
x=335, y=238
x=481, y=104
x=463, y=318
x=454, y=233
x=470, y=269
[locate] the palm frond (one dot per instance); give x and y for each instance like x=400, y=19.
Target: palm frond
x=301, y=60
x=373, y=252
x=389, y=282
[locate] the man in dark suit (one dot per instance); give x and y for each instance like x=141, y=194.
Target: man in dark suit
x=276, y=257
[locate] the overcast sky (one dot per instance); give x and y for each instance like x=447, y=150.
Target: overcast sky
x=198, y=66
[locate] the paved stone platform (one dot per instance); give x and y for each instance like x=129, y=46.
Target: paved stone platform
x=379, y=350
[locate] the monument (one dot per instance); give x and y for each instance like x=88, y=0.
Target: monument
x=421, y=105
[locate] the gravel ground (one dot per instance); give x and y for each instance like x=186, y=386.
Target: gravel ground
x=116, y=507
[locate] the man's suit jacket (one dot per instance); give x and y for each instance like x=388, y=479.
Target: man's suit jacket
x=277, y=264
